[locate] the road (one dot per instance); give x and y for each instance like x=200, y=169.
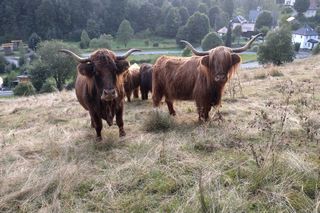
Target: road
x=6, y=93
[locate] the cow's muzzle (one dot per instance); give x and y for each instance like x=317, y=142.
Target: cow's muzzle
x=109, y=94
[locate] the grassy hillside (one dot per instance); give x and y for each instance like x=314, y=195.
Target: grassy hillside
x=260, y=153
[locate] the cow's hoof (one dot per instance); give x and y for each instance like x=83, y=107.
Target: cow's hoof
x=122, y=133
x=98, y=139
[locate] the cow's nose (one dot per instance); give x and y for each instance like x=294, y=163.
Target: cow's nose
x=110, y=92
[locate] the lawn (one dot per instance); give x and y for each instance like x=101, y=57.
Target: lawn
x=260, y=153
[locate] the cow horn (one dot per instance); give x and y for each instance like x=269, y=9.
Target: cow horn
x=247, y=46
x=122, y=57
x=196, y=52
x=75, y=56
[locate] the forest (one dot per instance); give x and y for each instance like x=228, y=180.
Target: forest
x=66, y=19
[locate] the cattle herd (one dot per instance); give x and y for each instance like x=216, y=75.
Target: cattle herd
x=104, y=79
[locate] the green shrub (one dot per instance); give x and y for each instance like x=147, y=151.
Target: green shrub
x=297, y=46
x=158, y=122
x=316, y=50
x=211, y=40
x=24, y=89
x=186, y=52
x=48, y=87
x=104, y=41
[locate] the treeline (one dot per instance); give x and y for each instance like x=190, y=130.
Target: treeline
x=66, y=19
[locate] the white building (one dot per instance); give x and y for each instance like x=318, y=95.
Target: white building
x=306, y=36
x=289, y=2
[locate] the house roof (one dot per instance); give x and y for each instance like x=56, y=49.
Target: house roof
x=239, y=19
x=223, y=30
x=6, y=45
x=313, y=41
x=306, y=31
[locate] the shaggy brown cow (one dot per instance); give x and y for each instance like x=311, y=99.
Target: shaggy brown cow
x=145, y=80
x=131, y=79
x=200, y=78
x=99, y=86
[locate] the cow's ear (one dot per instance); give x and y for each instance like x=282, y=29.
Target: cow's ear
x=86, y=69
x=122, y=66
x=205, y=61
x=235, y=59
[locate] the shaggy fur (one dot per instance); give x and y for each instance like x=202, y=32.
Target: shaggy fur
x=103, y=73
x=199, y=78
x=145, y=80
x=132, y=82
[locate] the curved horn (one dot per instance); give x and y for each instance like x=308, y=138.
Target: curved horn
x=122, y=57
x=75, y=56
x=247, y=46
x=196, y=52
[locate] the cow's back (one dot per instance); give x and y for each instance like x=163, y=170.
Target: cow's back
x=176, y=77
x=146, y=76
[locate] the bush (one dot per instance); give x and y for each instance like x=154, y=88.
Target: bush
x=24, y=89
x=48, y=87
x=39, y=73
x=186, y=52
x=297, y=47
x=211, y=40
x=7, y=81
x=156, y=44
x=158, y=122
x=2, y=64
x=85, y=40
x=277, y=48
x=316, y=50
x=103, y=41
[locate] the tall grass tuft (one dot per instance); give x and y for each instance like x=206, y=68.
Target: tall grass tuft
x=158, y=121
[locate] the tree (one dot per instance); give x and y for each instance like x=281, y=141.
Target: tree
x=172, y=22
x=125, y=32
x=278, y=48
x=33, y=41
x=197, y=27
x=228, y=40
x=211, y=40
x=237, y=32
x=85, y=40
x=213, y=16
x=184, y=14
x=60, y=66
x=301, y=6
x=228, y=7
x=93, y=28
x=202, y=8
x=39, y=72
x=264, y=19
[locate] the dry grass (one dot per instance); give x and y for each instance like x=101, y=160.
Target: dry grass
x=259, y=154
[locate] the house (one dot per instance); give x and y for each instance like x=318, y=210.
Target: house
x=24, y=78
x=7, y=48
x=312, y=11
x=16, y=44
x=306, y=36
x=289, y=2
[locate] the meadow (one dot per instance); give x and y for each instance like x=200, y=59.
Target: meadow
x=258, y=153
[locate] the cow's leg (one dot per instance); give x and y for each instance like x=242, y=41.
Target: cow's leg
x=97, y=123
x=157, y=96
x=128, y=94
x=170, y=107
x=119, y=120
x=206, y=112
x=136, y=92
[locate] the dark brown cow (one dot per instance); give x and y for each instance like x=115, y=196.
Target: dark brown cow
x=131, y=80
x=200, y=78
x=145, y=80
x=99, y=86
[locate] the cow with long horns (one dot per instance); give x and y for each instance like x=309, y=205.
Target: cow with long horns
x=99, y=86
x=201, y=77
